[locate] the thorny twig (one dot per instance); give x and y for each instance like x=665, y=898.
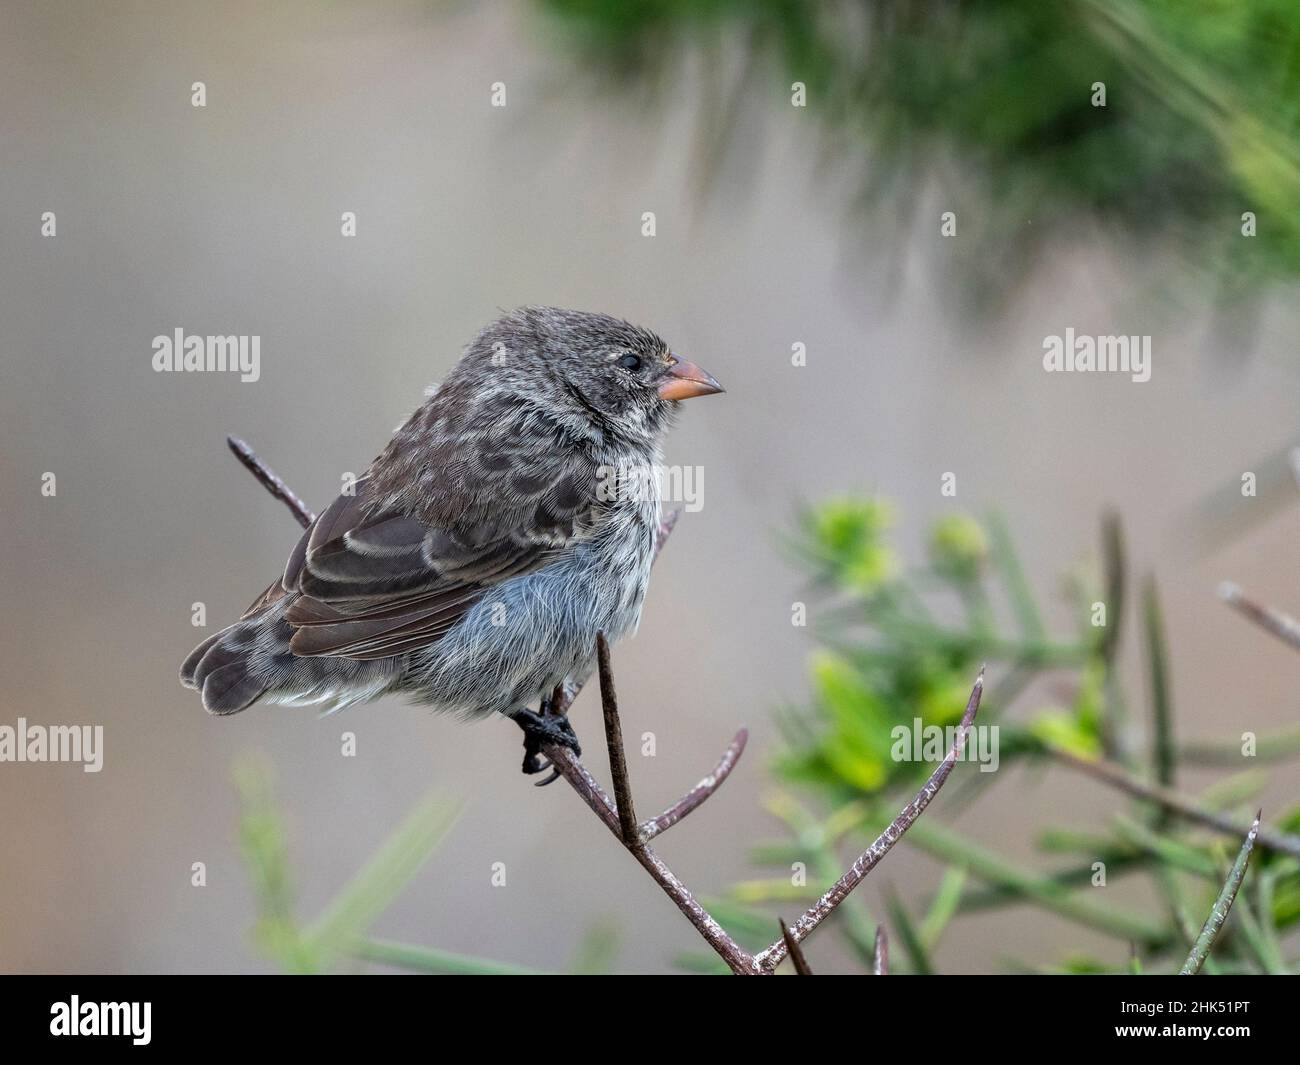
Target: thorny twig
x=614, y=741
x=1219, y=911
x=1119, y=777
x=1284, y=627
x=880, y=967
x=269, y=480
x=697, y=794
x=635, y=837
x=795, y=951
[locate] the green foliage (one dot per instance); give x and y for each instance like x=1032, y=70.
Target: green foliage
x=993, y=101
x=959, y=548
x=886, y=659
x=847, y=541
x=907, y=644
x=341, y=933
x=341, y=929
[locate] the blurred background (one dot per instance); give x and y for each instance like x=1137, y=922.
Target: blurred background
x=775, y=225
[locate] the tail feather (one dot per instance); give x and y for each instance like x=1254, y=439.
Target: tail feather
x=253, y=657
x=224, y=670
x=190, y=667
x=231, y=688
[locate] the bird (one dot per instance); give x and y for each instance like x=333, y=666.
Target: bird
x=510, y=519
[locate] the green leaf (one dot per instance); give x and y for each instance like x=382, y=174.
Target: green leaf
x=265, y=850
x=597, y=949
x=1021, y=594
x=1173, y=852
x=959, y=548
x=1163, y=754
x=908, y=935
x=993, y=868
x=374, y=887
x=944, y=906
x=430, y=960
x=1058, y=728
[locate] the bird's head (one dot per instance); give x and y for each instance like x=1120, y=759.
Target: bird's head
x=621, y=379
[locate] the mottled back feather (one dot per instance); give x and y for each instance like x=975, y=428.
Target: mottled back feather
x=384, y=571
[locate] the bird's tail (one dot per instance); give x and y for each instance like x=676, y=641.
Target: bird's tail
x=233, y=669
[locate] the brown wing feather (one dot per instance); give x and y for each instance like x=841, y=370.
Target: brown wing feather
x=387, y=570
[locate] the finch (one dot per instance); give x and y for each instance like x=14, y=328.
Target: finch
x=507, y=522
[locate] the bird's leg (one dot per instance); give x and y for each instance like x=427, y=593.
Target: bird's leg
x=544, y=728
x=532, y=763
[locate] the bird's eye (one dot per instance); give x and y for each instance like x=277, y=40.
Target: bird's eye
x=630, y=362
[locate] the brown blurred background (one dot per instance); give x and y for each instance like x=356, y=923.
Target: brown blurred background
x=226, y=220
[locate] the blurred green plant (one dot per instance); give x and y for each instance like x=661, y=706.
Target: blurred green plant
x=995, y=104
x=896, y=647
x=341, y=934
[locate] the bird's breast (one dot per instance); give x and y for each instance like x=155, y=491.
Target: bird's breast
x=616, y=564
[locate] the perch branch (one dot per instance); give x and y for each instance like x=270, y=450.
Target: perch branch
x=614, y=741
x=795, y=951
x=870, y=858
x=1283, y=626
x=881, y=965
x=697, y=794
x=635, y=838
x=738, y=960
x=1219, y=911
x=270, y=480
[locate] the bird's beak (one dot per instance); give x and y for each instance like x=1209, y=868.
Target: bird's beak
x=686, y=380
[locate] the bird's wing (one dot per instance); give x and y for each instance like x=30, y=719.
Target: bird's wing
x=377, y=580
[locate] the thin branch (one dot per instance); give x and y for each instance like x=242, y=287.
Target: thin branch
x=626, y=830
x=870, y=858
x=693, y=798
x=270, y=480
x=1219, y=911
x=573, y=771
x=1283, y=626
x=880, y=967
x=614, y=741
x=795, y=951
x=566, y=693
x=1119, y=777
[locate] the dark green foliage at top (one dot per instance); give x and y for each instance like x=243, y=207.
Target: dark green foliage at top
x=993, y=101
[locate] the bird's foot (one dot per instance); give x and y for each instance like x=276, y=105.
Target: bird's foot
x=541, y=730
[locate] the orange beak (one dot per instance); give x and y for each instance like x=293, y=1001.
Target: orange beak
x=686, y=380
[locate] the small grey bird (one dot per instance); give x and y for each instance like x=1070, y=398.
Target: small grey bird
x=505, y=524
